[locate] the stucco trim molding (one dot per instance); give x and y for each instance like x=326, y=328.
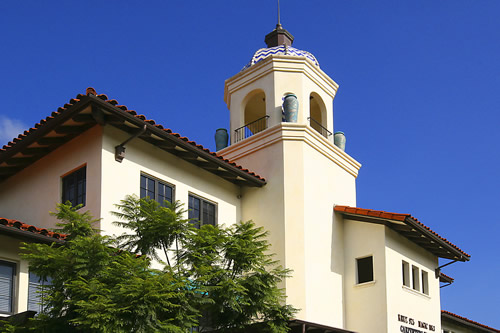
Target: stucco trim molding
x=280, y=64
x=293, y=132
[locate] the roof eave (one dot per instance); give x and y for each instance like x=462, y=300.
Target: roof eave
x=467, y=322
x=456, y=254
x=254, y=181
x=23, y=234
x=215, y=164
x=44, y=130
x=427, y=233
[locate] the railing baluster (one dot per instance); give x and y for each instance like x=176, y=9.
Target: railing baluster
x=251, y=128
x=323, y=131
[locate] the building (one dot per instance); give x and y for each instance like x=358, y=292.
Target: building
x=284, y=171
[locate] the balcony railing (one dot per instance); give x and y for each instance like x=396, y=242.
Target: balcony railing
x=319, y=128
x=250, y=129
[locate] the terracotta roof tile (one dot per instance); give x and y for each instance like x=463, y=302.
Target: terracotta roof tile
x=31, y=228
x=392, y=216
x=469, y=321
x=92, y=91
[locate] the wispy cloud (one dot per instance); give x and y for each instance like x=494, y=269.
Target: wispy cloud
x=9, y=129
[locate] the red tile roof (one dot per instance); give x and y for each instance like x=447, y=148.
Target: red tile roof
x=452, y=315
x=92, y=92
x=406, y=218
x=30, y=230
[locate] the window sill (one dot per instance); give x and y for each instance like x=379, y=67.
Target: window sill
x=415, y=292
x=365, y=284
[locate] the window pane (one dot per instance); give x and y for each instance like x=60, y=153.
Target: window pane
x=425, y=283
x=208, y=213
x=144, y=187
x=415, y=278
x=164, y=193
x=6, y=286
x=406, y=274
x=365, y=269
x=35, y=292
x=194, y=210
x=147, y=187
x=34, y=298
x=74, y=187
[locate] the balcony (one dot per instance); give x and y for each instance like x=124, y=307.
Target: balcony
x=319, y=128
x=250, y=129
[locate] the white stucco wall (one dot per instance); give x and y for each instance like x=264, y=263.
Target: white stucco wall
x=306, y=177
x=325, y=184
x=120, y=179
x=365, y=304
x=385, y=305
x=405, y=301
x=29, y=195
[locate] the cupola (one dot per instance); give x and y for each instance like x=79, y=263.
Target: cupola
x=256, y=94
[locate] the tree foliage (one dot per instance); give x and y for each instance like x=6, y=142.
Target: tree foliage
x=213, y=277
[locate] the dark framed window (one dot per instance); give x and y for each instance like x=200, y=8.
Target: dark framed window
x=156, y=189
x=365, y=269
x=7, y=283
x=36, y=287
x=74, y=187
x=201, y=211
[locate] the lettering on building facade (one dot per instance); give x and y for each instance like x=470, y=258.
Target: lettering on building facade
x=420, y=324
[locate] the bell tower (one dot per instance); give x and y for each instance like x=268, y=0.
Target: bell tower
x=281, y=126
x=256, y=94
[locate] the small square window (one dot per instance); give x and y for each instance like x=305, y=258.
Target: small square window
x=365, y=269
x=201, y=211
x=156, y=189
x=415, y=277
x=74, y=187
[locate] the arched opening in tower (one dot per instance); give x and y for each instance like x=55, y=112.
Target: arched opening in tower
x=317, y=119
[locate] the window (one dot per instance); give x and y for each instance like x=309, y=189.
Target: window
x=406, y=274
x=365, y=269
x=202, y=211
x=7, y=278
x=425, y=282
x=35, y=297
x=156, y=189
x=73, y=187
x=415, y=278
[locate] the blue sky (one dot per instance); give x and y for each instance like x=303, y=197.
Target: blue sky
x=418, y=97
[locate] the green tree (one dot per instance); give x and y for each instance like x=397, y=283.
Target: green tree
x=234, y=276
x=217, y=278
x=96, y=287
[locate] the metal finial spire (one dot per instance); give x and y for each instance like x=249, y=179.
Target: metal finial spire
x=279, y=36
x=279, y=23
